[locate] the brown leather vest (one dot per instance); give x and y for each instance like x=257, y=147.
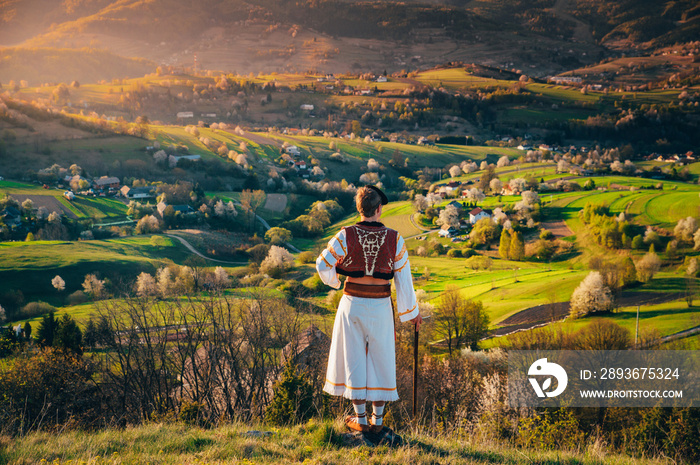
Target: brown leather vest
x=371, y=251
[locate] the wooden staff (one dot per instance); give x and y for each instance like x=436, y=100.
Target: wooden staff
x=415, y=370
x=415, y=367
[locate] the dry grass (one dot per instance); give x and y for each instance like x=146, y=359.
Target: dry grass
x=316, y=442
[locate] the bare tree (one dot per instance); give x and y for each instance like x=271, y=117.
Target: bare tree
x=459, y=320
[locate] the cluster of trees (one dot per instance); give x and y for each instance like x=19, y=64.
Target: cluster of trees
x=316, y=218
x=600, y=290
x=614, y=232
x=37, y=223
x=512, y=245
x=460, y=321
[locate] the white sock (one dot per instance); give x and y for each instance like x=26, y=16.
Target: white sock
x=378, y=414
x=361, y=413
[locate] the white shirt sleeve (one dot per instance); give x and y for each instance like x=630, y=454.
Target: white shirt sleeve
x=406, y=305
x=325, y=263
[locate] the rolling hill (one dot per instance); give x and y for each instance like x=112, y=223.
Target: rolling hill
x=541, y=36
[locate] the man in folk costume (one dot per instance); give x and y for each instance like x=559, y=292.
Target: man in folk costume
x=362, y=359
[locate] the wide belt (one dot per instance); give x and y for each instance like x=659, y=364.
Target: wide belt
x=368, y=291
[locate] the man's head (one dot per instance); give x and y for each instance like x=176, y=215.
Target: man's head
x=368, y=199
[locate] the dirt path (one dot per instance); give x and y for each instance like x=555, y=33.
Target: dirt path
x=196, y=252
x=261, y=140
x=417, y=226
x=558, y=228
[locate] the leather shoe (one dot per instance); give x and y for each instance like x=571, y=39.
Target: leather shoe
x=352, y=424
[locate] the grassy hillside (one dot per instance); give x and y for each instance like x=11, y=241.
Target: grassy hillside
x=40, y=65
x=98, y=208
x=314, y=443
x=30, y=266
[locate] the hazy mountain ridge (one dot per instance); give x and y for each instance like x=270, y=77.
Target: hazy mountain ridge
x=538, y=36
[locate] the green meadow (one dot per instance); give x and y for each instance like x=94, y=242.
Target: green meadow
x=99, y=208
x=30, y=266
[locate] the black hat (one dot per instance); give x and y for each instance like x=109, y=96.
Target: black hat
x=382, y=195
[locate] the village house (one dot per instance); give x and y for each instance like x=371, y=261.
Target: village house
x=187, y=157
x=11, y=217
x=182, y=209
x=478, y=214
x=457, y=205
x=447, y=231
x=136, y=193
x=105, y=182
x=382, y=79
x=449, y=188
x=293, y=150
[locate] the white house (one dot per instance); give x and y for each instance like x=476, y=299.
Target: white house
x=382, y=79
x=307, y=107
x=446, y=231
x=293, y=150
x=477, y=214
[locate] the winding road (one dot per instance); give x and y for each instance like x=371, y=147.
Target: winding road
x=191, y=248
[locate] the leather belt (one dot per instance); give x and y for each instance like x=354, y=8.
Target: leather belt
x=368, y=291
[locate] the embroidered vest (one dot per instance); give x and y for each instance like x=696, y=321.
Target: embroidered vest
x=371, y=251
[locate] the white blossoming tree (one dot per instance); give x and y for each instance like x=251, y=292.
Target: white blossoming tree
x=58, y=283
x=146, y=285
x=591, y=296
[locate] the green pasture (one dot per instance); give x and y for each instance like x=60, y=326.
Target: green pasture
x=547, y=171
x=99, y=207
x=30, y=266
x=505, y=290
x=662, y=319
x=647, y=207
x=558, y=94
x=694, y=168
x=83, y=207
x=539, y=116
x=460, y=78
x=109, y=149
x=13, y=188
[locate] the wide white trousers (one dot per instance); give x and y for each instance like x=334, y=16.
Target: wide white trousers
x=362, y=359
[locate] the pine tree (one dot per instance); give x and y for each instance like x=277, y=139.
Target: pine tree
x=504, y=246
x=47, y=330
x=68, y=336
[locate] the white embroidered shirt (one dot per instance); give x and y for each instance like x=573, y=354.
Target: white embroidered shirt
x=337, y=248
